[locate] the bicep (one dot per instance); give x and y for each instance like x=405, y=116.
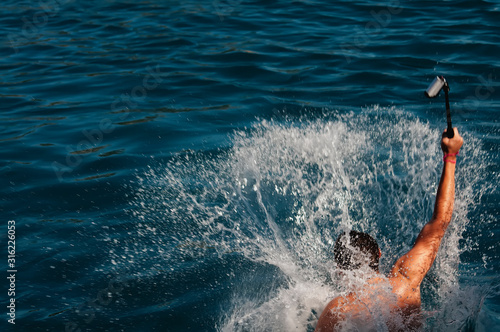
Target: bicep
x=415, y=264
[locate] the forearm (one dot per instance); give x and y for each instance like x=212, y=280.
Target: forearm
x=445, y=197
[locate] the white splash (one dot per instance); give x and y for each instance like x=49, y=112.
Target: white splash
x=285, y=190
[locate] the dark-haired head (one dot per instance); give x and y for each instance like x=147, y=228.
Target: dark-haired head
x=356, y=249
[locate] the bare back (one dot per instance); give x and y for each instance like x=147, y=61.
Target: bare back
x=388, y=301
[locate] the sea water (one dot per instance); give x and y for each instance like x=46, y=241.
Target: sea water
x=281, y=195
x=188, y=165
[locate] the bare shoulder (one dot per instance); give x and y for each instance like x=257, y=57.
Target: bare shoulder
x=407, y=294
x=343, y=303
x=334, y=313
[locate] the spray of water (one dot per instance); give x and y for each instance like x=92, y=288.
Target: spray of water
x=282, y=194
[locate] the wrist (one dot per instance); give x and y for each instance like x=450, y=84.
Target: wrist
x=450, y=157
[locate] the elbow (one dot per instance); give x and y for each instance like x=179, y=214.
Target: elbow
x=441, y=218
x=434, y=230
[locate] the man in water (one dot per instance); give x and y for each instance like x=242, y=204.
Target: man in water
x=400, y=291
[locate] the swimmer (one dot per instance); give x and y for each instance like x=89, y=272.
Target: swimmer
x=355, y=250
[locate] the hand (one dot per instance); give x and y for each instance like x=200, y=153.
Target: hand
x=451, y=145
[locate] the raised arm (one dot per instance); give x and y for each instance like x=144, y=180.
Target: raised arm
x=415, y=264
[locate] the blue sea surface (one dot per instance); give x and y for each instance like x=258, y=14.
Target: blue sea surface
x=187, y=165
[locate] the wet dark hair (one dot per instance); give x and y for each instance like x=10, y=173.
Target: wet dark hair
x=347, y=259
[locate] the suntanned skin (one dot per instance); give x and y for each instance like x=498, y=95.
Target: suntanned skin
x=410, y=269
